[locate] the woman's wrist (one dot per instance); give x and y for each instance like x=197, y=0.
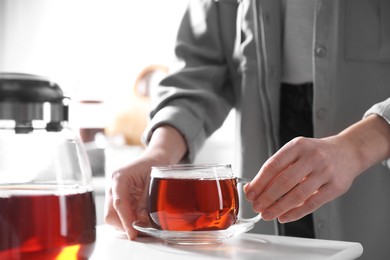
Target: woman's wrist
x=368, y=141
x=167, y=145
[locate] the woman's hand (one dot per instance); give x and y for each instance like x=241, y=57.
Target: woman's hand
x=306, y=173
x=126, y=196
x=300, y=177
x=125, y=200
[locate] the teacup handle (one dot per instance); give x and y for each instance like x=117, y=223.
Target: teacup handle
x=247, y=220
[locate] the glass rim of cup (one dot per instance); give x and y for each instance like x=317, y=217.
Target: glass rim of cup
x=192, y=171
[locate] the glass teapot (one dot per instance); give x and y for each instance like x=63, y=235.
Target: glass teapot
x=47, y=208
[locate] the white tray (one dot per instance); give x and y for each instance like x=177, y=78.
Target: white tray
x=112, y=244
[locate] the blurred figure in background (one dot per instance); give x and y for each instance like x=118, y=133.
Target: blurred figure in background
x=293, y=69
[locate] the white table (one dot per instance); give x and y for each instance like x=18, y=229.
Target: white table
x=111, y=244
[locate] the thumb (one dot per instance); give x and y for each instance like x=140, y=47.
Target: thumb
x=246, y=187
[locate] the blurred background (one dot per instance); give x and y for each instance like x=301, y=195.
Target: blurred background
x=105, y=55
x=94, y=48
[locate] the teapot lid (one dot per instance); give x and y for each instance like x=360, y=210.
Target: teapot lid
x=28, y=88
x=26, y=97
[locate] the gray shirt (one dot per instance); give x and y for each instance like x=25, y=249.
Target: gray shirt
x=351, y=73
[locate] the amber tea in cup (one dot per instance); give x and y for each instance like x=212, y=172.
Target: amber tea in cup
x=193, y=197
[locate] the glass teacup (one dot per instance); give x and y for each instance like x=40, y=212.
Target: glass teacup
x=194, y=197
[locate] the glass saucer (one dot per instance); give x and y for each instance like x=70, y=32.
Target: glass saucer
x=196, y=237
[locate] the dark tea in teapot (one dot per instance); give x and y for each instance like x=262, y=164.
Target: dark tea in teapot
x=47, y=210
x=34, y=225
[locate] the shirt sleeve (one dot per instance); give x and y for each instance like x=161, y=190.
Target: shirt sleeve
x=382, y=109
x=197, y=97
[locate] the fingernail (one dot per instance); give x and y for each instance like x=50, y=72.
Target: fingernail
x=283, y=219
x=258, y=208
x=128, y=234
x=267, y=215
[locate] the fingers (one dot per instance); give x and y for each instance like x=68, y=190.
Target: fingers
x=110, y=216
x=282, y=186
x=286, y=180
x=126, y=197
x=285, y=176
x=282, y=159
x=297, y=196
x=319, y=198
x=301, y=177
x=121, y=202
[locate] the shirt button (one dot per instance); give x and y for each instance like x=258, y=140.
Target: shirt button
x=321, y=113
x=320, y=51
